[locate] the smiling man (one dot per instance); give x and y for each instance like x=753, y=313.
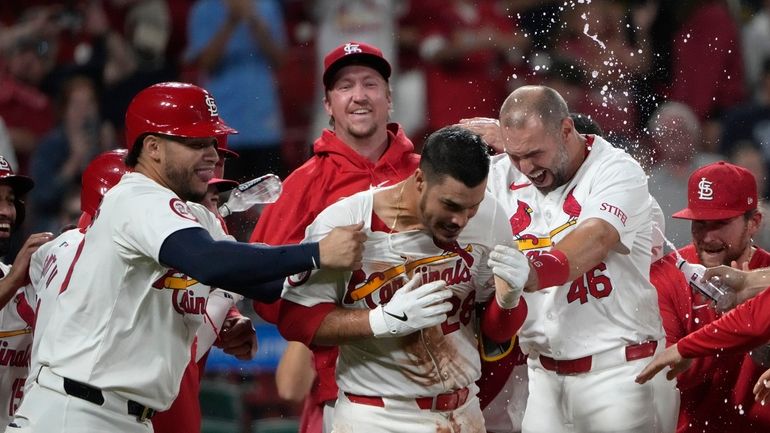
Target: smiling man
x=119, y=335
x=716, y=391
x=361, y=149
x=580, y=210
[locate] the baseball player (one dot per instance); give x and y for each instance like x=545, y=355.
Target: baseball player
x=503, y=401
x=360, y=150
x=16, y=315
x=716, y=393
x=408, y=359
x=125, y=297
x=580, y=210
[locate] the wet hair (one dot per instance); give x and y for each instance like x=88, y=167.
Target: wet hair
x=526, y=102
x=456, y=152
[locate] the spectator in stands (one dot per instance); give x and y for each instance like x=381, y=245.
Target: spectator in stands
x=63, y=154
x=238, y=44
x=750, y=121
x=675, y=134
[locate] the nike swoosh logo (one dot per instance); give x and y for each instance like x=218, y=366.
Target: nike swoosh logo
x=514, y=187
x=698, y=307
x=402, y=317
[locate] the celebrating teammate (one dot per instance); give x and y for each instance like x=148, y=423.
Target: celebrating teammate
x=716, y=392
x=119, y=335
x=408, y=359
x=16, y=315
x=361, y=150
x=580, y=210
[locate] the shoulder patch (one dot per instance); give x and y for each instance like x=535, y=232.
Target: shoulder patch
x=180, y=208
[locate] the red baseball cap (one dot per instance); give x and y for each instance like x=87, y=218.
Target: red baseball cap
x=357, y=53
x=223, y=185
x=719, y=191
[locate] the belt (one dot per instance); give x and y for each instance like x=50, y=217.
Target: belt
x=92, y=394
x=601, y=360
x=440, y=403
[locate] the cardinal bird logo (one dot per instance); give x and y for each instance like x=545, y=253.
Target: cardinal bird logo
x=571, y=206
x=522, y=218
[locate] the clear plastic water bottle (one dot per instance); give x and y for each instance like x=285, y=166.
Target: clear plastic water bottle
x=262, y=190
x=712, y=289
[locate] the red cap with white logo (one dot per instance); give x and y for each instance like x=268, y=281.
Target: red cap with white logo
x=354, y=53
x=20, y=184
x=719, y=191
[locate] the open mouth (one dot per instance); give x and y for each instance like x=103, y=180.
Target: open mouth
x=5, y=229
x=538, y=177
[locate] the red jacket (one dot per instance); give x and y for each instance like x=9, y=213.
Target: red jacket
x=716, y=390
x=336, y=171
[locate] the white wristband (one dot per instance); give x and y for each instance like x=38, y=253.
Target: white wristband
x=377, y=323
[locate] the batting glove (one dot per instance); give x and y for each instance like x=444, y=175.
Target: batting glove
x=511, y=266
x=413, y=307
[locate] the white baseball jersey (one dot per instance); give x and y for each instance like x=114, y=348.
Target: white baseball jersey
x=611, y=305
x=123, y=322
x=436, y=360
x=47, y=270
x=16, y=320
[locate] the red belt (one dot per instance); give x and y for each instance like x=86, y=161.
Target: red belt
x=584, y=364
x=439, y=403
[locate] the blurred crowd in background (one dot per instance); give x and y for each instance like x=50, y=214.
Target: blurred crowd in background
x=678, y=83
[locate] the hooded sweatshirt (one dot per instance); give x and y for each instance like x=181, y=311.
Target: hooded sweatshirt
x=335, y=171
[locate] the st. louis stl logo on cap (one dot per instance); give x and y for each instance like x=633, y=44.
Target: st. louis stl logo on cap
x=352, y=48
x=4, y=164
x=704, y=189
x=212, y=106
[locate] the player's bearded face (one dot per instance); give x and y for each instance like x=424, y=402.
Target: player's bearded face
x=188, y=169
x=540, y=155
x=446, y=207
x=7, y=217
x=722, y=241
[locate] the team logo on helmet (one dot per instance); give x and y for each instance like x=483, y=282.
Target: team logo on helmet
x=212, y=106
x=180, y=208
x=351, y=48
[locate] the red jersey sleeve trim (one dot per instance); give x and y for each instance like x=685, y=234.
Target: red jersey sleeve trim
x=299, y=323
x=499, y=324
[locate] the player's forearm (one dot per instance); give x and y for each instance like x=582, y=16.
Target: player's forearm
x=235, y=266
x=743, y=328
x=343, y=325
x=588, y=245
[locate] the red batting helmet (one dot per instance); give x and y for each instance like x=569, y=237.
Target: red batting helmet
x=101, y=175
x=20, y=186
x=178, y=109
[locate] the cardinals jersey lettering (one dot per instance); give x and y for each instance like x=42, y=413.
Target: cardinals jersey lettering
x=47, y=270
x=16, y=320
x=611, y=305
x=122, y=322
x=430, y=362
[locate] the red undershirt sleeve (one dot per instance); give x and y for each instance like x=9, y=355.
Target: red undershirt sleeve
x=500, y=325
x=743, y=328
x=300, y=323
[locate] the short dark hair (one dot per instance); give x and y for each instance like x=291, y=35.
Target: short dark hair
x=132, y=158
x=456, y=152
x=586, y=125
